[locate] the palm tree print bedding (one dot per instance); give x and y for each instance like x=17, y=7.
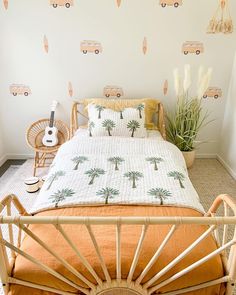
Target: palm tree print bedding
x=123, y=122
x=110, y=170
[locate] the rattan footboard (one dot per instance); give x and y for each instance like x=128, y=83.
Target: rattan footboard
x=120, y=286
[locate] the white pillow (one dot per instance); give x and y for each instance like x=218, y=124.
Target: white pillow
x=130, y=122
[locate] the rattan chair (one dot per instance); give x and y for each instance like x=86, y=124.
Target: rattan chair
x=43, y=154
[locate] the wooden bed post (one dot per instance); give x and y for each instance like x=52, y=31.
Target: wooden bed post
x=161, y=120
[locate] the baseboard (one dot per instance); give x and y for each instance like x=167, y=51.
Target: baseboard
x=227, y=167
x=206, y=156
x=19, y=156
x=3, y=159
x=6, y=157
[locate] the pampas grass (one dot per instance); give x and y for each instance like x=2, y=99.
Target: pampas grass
x=188, y=117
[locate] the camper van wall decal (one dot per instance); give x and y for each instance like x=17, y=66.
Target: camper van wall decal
x=70, y=89
x=5, y=3
x=213, y=92
x=90, y=46
x=192, y=47
x=45, y=43
x=165, y=87
x=19, y=89
x=175, y=3
x=144, y=45
x=118, y=2
x=65, y=3
x=113, y=91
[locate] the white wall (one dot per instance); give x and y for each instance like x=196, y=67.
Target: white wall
x=121, y=32
x=2, y=151
x=228, y=136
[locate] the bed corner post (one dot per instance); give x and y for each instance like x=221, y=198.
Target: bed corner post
x=161, y=120
x=74, y=119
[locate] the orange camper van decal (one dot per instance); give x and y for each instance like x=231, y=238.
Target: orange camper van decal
x=193, y=47
x=45, y=43
x=20, y=89
x=66, y=3
x=70, y=89
x=214, y=92
x=5, y=3
x=175, y=3
x=144, y=45
x=111, y=90
x=90, y=46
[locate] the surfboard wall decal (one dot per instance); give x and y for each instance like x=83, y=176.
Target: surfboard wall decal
x=5, y=3
x=144, y=45
x=118, y=2
x=165, y=87
x=45, y=43
x=70, y=89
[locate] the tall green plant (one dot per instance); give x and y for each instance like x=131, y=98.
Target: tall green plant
x=188, y=117
x=185, y=122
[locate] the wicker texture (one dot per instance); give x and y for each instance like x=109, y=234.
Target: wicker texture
x=119, y=292
x=34, y=137
x=36, y=133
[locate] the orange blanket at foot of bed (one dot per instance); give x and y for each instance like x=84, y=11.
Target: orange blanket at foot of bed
x=105, y=235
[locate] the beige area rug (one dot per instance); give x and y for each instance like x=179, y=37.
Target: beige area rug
x=208, y=177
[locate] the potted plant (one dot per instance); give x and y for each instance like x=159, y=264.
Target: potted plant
x=188, y=117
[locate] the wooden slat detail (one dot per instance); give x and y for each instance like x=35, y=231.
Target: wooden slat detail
x=81, y=257
x=118, y=252
x=58, y=258
x=156, y=255
x=103, y=265
x=192, y=266
x=43, y=266
x=137, y=252
x=179, y=258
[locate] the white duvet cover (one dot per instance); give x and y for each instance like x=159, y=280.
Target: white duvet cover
x=117, y=170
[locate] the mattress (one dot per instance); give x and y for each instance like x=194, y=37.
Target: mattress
x=105, y=236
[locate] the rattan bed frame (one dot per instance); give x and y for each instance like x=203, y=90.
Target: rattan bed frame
x=225, y=238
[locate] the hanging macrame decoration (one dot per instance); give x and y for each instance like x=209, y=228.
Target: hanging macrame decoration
x=221, y=21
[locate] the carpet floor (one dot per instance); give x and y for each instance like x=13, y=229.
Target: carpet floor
x=208, y=176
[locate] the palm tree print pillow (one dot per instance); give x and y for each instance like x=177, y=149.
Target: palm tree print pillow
x=129, y=122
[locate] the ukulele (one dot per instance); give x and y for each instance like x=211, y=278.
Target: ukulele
x=50, y=137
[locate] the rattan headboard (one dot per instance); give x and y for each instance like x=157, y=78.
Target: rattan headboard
x=77, y=110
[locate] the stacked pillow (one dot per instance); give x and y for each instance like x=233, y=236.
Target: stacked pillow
x=129, y=122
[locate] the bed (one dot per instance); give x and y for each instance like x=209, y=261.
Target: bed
x=118, y=216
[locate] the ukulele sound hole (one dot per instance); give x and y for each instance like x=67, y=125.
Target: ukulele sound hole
x=50, y=132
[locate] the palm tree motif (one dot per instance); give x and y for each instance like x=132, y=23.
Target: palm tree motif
x=100, y=109
x=121, y=115
x=177, y=176
x=133, y=176
x=79, y=160
x=140, y=108
x=155, y=161
x=108, y=125
x=94, y=173
x=91, y=126
x=133, y=126
x=61, y=195
x=107, y=193
x=117, y=161
x=159, y=193
x=55, y=177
